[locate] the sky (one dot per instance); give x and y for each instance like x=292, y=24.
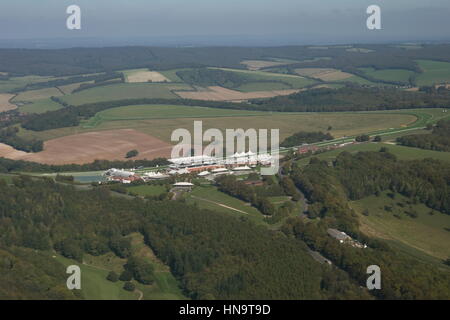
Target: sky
x=221, y=22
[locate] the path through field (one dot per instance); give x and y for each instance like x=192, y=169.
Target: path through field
x=219, y=204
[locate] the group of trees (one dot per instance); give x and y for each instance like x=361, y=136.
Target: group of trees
x=438, y=140
x=303, y=137
x=9, y=136
x=215, y=77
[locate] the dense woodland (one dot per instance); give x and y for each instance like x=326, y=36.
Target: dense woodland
x=438, y=140
x=355, y=98
x=75, y=61
x=213, y=255
x=352, y=177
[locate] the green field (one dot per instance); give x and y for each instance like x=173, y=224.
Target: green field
x=427, y=233
x=388, y=74
x=143, y=112
x=343, y=123
x=33, y=95
x=434, y=72
x=94, y=285
x=211, y=194
x=40, y=106
x=125, y=91
x=20, y=82
x=263, y=86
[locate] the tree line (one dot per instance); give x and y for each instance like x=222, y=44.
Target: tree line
x=438, y=140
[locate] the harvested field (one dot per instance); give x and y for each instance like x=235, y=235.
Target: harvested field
x=324, y=74
x=216, y=93
x=9, y=152
x=90, y=146
x=5, y=105
x=260, y=64
x=144, y=75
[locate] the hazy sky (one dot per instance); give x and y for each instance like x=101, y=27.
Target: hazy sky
x=291, y=21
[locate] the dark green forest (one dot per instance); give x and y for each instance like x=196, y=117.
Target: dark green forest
x=213, y=255
x=355, y=98
x=76, y=61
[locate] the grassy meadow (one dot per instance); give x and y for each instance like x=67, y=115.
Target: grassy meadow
x=388, y=218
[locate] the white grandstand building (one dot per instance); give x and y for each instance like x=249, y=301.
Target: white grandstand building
x=241, y=159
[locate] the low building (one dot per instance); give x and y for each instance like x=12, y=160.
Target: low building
x=204, y=174
x=184, y=186
x=338, y=235
x=307, y=148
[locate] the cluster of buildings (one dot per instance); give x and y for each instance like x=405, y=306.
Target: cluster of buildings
x=204, y=166
x=199, y=163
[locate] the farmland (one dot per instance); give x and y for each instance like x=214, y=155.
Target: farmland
x=434, y=72
x=40, y=106
x=163, y=121
x=89, y=146
x=33, y=95
x=216, y=93
x=427, y=232
x=144, y=75
x=143, y=112
x=5, y=105
x=261, y=64
x=19, y=82
x=125, y=91
x=324, y=74
x=389, y=74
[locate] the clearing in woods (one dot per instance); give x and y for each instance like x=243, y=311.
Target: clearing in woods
x=144, y=75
